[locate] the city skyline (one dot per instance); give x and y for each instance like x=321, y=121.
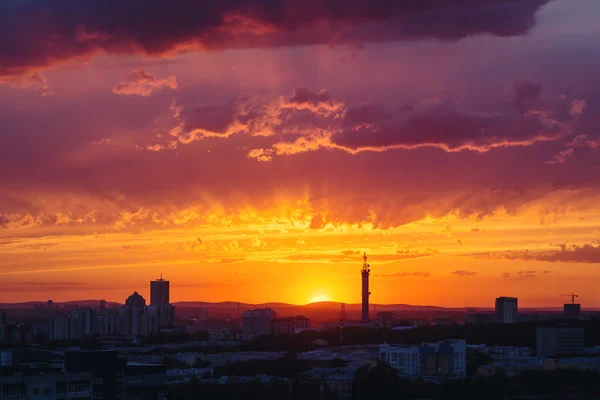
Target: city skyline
x=256, y=153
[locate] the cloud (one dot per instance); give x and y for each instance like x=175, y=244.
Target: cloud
x=443, y=124
x=133, y=247
x=34, y=286
x=139, y=82
x=577, y=107
x=42, y=34
x=355, y=256
x=101, y=141
x=461, y=272
x=405, y=275
x=259, y=243
x=318, y=102
x=587, y=253
x=521, y=275
x=526, y=94
x=263, y=155
x=310, y=121
x=580, y=141
x=26, y=80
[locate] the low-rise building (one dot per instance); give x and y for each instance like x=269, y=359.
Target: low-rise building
x=553, y=341
x=290, y=325
x=257, y=322
x=446, y=358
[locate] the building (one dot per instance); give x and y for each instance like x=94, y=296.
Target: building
x=257, y=322
x=109, y=322
x=159, y=292
x=554, y=341
x=221, y=335
x=445, y=359
x=82, y=323
x=290, y=325
x=572, y=309
x=364, y=273
x=135, y=320
x=3, y=326
x=78, y=375
x=59, y=328
x=161, y=312
x=482, y=318
x=507, y=310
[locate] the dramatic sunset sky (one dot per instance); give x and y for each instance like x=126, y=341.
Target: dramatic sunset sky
x=251, y=150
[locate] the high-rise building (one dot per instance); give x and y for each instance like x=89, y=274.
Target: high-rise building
x=446, y=358
x=554, y=341
x=507, y=310
x=135, y=321
x=159, y=292
x=109, y=323
x=257, y=322
x=82, y=323
x=160, y=311
x=365, y=272
x=59, y=328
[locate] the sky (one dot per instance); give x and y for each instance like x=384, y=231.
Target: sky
x=253, y=150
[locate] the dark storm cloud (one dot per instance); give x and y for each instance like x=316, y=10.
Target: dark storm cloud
x=40, y=33
x=443, y=124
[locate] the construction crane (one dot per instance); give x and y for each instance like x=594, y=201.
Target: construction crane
x=572, y=296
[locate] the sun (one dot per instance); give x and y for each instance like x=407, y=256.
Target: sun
x=319, y=297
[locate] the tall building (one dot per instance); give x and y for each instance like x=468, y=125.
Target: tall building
x=135, y=321
x=257, y=322
x=109, y=322
x=59, y=328
x=82, y=323
x=554, y=341
x=160, y=311
x=446, y=358
x=507, y=310
x=159, y=292
x=365, y=272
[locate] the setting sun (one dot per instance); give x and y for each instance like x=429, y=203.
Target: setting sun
x=319, y=297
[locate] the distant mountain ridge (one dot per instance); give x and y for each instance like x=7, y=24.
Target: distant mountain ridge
x=278, y=305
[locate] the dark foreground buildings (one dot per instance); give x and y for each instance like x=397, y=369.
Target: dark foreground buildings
x=102, y=375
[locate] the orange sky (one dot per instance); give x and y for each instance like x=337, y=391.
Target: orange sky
x=260, y=256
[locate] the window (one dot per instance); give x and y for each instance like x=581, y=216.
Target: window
x=14, y=391
x=135, y=378
x=36, y=392
x=98, y=380
x=47, y=392
x=79, y=389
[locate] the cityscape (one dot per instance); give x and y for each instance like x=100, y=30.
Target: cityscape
x=147, y=351
x=299, y=199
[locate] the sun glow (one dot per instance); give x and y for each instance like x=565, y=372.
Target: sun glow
x=319, y=297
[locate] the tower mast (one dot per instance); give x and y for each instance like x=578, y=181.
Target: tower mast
x=365, y=272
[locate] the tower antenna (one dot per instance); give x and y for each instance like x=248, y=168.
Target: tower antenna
x=365, y=272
